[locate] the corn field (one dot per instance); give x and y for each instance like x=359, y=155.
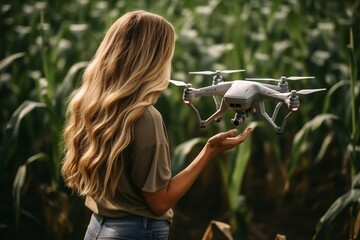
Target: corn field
x=303, y=183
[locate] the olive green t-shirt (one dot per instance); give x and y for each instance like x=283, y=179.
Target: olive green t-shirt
x=147, y=168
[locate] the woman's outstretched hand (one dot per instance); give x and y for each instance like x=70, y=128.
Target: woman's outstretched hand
x=163, y=199
x=226, y=140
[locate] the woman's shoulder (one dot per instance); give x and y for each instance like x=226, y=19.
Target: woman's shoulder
x=149, y=128
x=151, y=119
x=151, y=115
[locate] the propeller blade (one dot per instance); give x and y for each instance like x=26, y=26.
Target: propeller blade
x=203, y=72
x=262, y=79
x=279, y=80
x=232, y=71
x=217, y=72
x=178, y=83
x=301, y=92
x=308, y=91
x=299, y=78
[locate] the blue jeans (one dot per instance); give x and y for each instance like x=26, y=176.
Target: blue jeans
x=128, y=228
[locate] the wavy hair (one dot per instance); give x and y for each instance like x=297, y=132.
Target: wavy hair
x=129, y=71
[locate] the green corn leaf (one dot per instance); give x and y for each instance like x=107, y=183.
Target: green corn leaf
x=353, y=78
x=272, y=138
x=301, y=139
x=67, y=85
x=332, y=90
x=181, y=153
x=328, y=139
x=12, y=130
x=16, y=191
x=237, y=175
x=342, y=204
x=19, y=182
x=356, y=182
x=65, y=88
x=8, y=60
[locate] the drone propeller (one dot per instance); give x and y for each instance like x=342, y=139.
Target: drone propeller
x=301, y=92
x=180, y=83
x=279, y=80
x=217, y=72
x=298, y=78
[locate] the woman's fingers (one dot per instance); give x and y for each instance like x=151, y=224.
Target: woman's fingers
x=244, y=135
x=224, y=135
x=230, y=137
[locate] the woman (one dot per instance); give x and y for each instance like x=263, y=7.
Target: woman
x=116, y=147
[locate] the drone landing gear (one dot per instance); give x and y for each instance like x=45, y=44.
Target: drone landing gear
x=271, y=121
x=215, y=117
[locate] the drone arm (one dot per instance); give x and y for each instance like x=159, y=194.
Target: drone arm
x=273, y=87
x=215, y=90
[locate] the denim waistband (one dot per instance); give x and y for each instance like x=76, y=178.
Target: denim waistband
x=131, y=218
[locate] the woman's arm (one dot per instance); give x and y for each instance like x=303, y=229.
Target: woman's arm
x=163, y=199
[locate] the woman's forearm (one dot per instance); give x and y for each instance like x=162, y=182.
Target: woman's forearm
x=163, y=199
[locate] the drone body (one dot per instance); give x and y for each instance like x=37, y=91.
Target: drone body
x=245, y=97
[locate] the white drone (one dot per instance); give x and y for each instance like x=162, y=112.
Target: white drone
x=244, y=97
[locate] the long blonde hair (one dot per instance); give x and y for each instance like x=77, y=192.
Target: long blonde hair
x=128, y=73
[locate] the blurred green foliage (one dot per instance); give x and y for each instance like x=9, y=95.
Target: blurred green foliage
x=46, y=44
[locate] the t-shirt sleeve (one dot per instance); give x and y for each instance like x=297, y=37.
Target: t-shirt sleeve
x=151, y=168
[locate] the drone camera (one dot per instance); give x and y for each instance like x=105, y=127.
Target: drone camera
x=236, y=122
x=238, y=119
